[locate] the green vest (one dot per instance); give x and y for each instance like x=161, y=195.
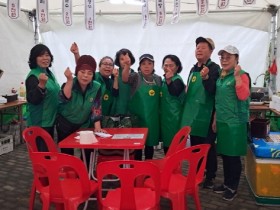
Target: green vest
x=145, y=105
x=170, y=112
x=198, y=107
x=107, y=98
x=232, y=116
x=44, y=114
x=78, y=109
x=120, y=104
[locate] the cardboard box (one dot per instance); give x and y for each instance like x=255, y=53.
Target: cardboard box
x=263, y=175
x=6, y=143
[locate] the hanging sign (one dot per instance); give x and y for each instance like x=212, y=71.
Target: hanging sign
x=67, y=12
x=160, y=10
x=222, y=4
x=42, y=11
x=13, y=8
x=176, y=11
x=249, y=2
x=145, y=13
x=89, y=14
x=202, y=7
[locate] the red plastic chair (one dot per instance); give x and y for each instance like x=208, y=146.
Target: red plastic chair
x=179, y=142
x=128, y=196
x=176, y=186
x=30, y=135
x=110, y=155
x=70, y=192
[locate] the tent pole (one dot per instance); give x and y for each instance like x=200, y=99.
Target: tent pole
x=273, y=10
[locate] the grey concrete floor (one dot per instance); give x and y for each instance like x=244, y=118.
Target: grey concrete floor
x=16, y=179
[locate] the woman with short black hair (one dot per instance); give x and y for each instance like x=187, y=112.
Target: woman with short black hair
x=42, y=91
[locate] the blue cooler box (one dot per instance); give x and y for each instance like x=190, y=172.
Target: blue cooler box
x=267, y=149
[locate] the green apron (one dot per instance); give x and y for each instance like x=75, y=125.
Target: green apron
x=44, y=114
x=107, y=98
x=145, y=105
x=232, y=116
x=198, y=107
x=170, y=113
x=120, y=104
x=231, y=139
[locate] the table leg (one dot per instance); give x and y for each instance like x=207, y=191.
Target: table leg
x=126, y=157
x=92, y=163
x=20, y=123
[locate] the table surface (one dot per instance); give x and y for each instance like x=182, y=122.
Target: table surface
x=109, y=143
x=11, y=104
x=259, y=107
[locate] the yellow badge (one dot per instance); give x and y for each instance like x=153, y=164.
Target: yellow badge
x=151, y=92
x=105, y=97
x=193, y=78
x=160, y=94
x=91, y=100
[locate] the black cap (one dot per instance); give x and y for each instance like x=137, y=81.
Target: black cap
x=209, y=41
x=146, y=56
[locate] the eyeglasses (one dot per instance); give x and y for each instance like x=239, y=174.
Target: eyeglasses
x=225, y=58
x=108, y=64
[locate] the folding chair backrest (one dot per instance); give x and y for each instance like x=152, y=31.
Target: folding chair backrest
x=31, y=135
x=195, y=157
x=179, y=141
x=128, y=171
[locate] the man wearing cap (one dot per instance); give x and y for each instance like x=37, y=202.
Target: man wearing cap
x=198, y=111
x=144, y=101
x=80, y=100
x=232, y=115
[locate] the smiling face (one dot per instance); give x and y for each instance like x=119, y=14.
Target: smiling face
x=44, y=60
x=203, y=52
x=84, y=77
x=228, y=61
x=106, y=67
x=147, y=67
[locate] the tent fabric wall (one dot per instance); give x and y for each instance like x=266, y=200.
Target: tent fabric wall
x=124, y=31
x=249, y=31
x=16, y=40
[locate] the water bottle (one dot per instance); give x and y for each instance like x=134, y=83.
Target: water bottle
x=22, y=92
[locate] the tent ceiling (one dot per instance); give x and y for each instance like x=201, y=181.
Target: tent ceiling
x=103, y=6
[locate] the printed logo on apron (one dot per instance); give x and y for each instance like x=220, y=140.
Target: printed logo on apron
x=194, y=79
x=151, y=92
x=106, y=97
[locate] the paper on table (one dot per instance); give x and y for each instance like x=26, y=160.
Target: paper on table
x=103, y=135
x=128, y=136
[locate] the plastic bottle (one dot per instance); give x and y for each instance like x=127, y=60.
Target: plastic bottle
x=22, y=92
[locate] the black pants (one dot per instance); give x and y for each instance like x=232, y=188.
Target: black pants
x=41, y=145
x=64, y=128
x=148, y=151
x=211, y=164
x=232, y=171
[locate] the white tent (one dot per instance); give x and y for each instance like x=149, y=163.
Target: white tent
x=119, y=26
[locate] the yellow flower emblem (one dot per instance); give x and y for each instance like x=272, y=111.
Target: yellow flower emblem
x=105, y=97
x=151, y=92
x=194, y=79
